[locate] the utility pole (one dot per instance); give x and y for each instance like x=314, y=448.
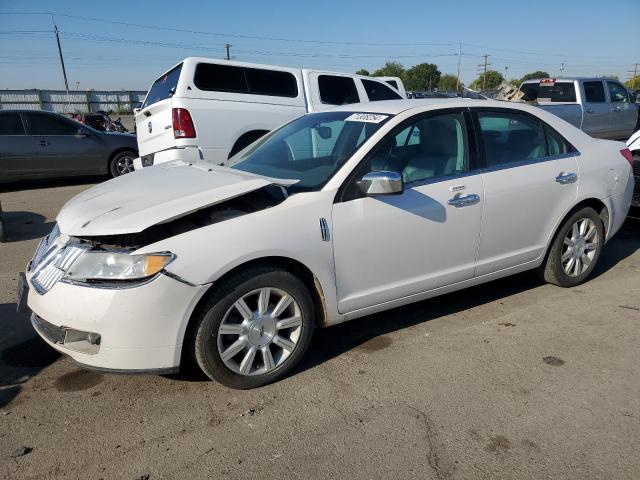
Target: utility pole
x=634, y=74
x=228, y=46
x=64, y=71
x=458, y=76
x=483, y=71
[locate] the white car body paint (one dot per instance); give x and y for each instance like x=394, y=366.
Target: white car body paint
x=378, y=256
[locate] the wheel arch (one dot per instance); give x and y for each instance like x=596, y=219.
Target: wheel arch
x=295, y=267
x=246, y=139
x=595, y=203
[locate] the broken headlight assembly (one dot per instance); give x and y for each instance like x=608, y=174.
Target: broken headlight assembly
x=116, y=266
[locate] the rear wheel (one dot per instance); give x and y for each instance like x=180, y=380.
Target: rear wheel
x=254, y=329
x=575, y=249
x=122, y=163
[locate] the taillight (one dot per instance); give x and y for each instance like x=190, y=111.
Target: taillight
x=626, y=153
x=182, y=124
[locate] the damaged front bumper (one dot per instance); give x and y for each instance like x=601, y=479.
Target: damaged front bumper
x=122, y=330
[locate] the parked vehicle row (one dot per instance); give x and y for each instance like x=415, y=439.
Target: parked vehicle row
x=207, y=109
x=37, y=144
x=333, y=216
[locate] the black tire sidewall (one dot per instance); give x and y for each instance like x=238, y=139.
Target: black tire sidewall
x=113, y=169
x=205, y=342
x=554, y=263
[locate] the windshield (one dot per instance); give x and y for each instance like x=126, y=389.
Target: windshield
x=164, y=87
x=310, y=149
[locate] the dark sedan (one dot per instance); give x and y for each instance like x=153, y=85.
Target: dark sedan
x=35, y=144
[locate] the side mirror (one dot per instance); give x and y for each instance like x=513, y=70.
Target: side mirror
x=634, y=96
x=381, y=183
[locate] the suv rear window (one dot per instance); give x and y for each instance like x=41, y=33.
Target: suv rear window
x=10, y=124
x=556, y=93
x=214, y=77
x=164, y=87
x=336, y=90
x=379, y=91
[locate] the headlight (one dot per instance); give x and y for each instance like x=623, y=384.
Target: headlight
x=92, y=265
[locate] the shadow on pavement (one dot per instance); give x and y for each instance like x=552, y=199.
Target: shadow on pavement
x=22, y=353
x=21, y=226
x=49, y=183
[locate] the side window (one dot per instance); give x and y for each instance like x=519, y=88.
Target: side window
x=510, y=137
x=335, y=90
x=393, y=83
x=253, y=81
x=558, y=92
x=618, y=93
x=556, y=145
x=11, y=124
x=594, y=92
x=379, y=91
x=40, y=124
x=428, y=148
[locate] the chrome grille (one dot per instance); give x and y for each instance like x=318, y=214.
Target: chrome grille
x=51, y=261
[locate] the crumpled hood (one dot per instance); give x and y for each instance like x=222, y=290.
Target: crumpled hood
x=138, y=200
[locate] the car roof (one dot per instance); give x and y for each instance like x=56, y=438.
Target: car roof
x=570, y=79
x=394, y=107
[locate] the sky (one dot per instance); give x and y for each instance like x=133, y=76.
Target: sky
x=127, y=44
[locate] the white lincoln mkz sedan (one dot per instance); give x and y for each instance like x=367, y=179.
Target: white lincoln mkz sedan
x=333, y=216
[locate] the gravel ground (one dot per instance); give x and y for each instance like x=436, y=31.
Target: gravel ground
x=513, y=379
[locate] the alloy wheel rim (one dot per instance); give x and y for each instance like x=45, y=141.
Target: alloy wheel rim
x=259, y=332
x=579, y=247
x=124, y=165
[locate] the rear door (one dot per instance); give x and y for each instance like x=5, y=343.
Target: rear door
x=597, y=111
x=625, y=113
x=16, y=148
x=61, y=147
x=530, y=178
x=154, y=120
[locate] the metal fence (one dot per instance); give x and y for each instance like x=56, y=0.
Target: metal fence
x=121, y=101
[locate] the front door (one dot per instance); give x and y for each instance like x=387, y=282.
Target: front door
x=59, y=149
x=393, y=246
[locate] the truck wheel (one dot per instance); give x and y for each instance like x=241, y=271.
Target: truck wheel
x=254, y=328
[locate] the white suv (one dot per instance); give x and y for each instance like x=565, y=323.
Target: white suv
x=206, y=109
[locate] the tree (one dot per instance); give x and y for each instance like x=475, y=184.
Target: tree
x=514, y=82
x=611, y=76
x=632, y=85
x=421, y=77
x=448, y=82
x=363, y=71
x=535, y=75
x=488, y=81
x=390, y=69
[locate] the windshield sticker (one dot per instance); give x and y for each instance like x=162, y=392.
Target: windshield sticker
x=366, y=117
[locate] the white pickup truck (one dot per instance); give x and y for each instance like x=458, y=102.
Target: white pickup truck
x=601, y=107
x=210, y=109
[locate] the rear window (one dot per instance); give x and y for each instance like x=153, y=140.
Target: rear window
x=213, y=77
x=379, y=91
x=10, y=124
x=555, y=93
x=335, y=90
x=164, y=87
x=393, y=83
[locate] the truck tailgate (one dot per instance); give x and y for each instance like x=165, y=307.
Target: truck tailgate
x=154, y=128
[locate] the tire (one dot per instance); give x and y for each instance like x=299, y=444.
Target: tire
x=565, y=262
x=234, y=307
x=122, y=163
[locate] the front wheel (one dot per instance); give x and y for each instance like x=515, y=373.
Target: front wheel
x=254, y=328
x=575, y=249
x=122, y=163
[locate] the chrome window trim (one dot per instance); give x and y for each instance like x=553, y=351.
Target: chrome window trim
x=526, y=162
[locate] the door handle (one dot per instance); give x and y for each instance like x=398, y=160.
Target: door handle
x=617, y=109
x=565, y=178
x=44, y=143
x=589, y=110
x=460, y=201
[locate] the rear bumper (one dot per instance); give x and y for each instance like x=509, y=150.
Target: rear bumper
x=186, y=154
